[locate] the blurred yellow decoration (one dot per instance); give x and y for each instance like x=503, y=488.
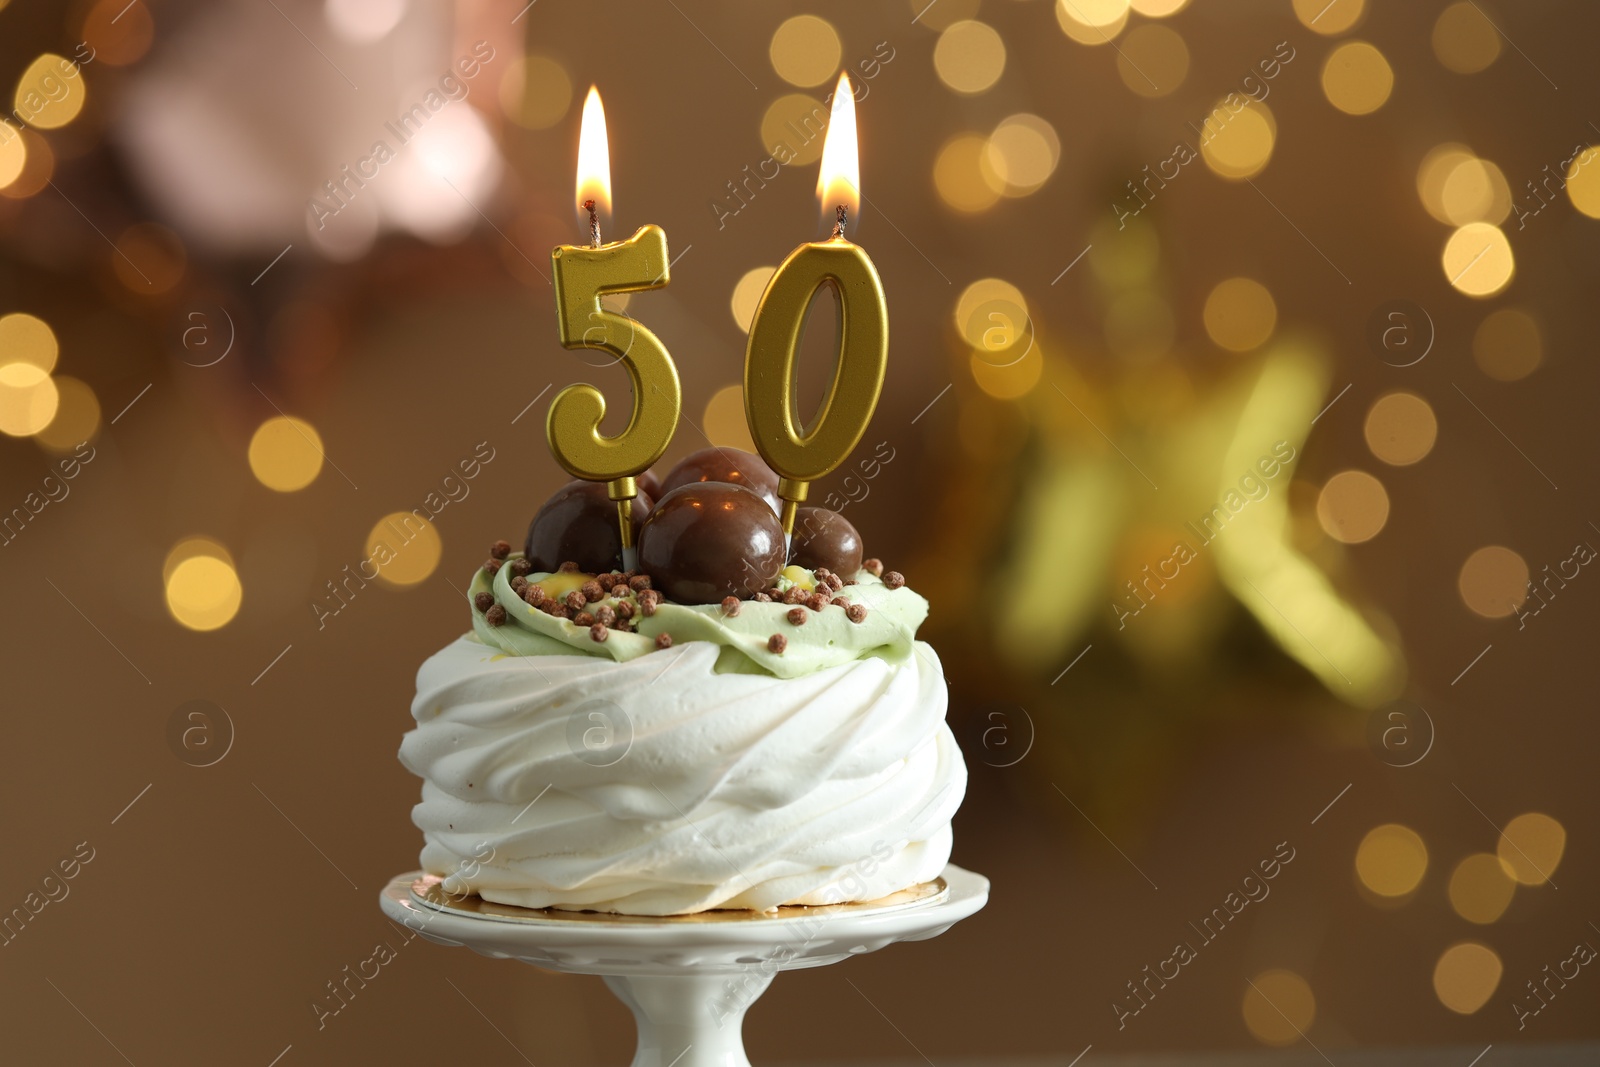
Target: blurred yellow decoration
x=1401, y=428
x=1238, y=144
x=939, y=14
x=1240, y=314
x=962, y=176
x=1329, y=17
x=405, y=547
x=969, y=57
x=50, y=92
x=1022, y=154
x=1158, y=9
x=1531, y=847
x=1583, y=181
x=747, y=294
x=149, y=258
x=1391, y=860
x=120, y=33
x=1466, y=976
x=1507, y=345
x=77, y=417
x=1493, y=581
x=28, y=399
x=1475, y=190
x=1464, y=39
x=1279, y=1007
x=1153, y=60
x=793, y=129
x=285, y=453
x=805, y=50
x=1092, y=22
x=725, y=423
x=1480, y=889
x=1356, y=78
x=535, y=92
x=28, y=339
x=13, y=153
x=1477, y=260
x=1435, y=169
x=991, y=314
x=1353, y=507
x=1008, y=375
x=37, y=169
x=202, y=588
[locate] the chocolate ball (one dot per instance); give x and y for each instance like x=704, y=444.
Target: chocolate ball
x=706, y=541
x=650, y=484
x=579, y=523
x=725, y=465
x=824, y=538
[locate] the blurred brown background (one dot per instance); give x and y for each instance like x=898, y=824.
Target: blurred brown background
x=1114, y=288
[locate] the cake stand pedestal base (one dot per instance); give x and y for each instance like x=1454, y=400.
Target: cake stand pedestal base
x=688, y=979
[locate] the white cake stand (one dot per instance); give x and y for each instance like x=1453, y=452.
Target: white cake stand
x=690, y=978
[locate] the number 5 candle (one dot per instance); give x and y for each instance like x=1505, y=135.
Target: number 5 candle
x=581, y=276
x=801, y=454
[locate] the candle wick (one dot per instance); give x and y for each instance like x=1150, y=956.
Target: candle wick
x=841, y=215
x=594, y=224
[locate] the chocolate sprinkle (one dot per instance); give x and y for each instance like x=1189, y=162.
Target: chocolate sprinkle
x=856, y=612
x=835, y=582
x=591, y=591
x=763, y=598
x=638, y=582
x=574, y=600
x=816, y=601
x=598, y=632
x=500, y=549
x=534, y=594
x=521, y=566
x=556, y=610
x=794, y=595
x=604, y=615
x=495, y=616
x=583, y=618
x=568, y=567
x=840, y=602
x=483, y=601
x=492, y=566
x=777, y=643
x=625, y=609
x=663, y=640
x=873, y=566
x=730, y=606
x=894, y=579
x=519, y=585
x=796, y=616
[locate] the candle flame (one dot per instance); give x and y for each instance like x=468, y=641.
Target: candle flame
x=594, y=160
x=839, y=180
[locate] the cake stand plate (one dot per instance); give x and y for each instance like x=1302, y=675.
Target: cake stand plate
x=687, y=978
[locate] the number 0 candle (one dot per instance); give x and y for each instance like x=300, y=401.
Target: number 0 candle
x=581, y=276
x=802, y=454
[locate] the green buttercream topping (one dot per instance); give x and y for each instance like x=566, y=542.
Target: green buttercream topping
x=827, y=638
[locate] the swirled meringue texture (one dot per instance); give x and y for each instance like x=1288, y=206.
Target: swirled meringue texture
x=661, y=785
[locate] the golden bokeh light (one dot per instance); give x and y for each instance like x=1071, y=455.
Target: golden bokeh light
x=535, y=92
x=1237, y=144
x=1278, y=1007
x=13, y=154
x=1480, y=888
x=1401, y=428
x=1356, y=78
x=1464, y=39
x=1474, y=190
x=1158, y=9
x=77, y=417
x=940, y=14
x=404, y=547
x=747, y=294
x=203, y=591
x=37, y=169
x=120, y=33
x=1466, y=976
x=793, y=129
x=285, y=453
x=28, y=339
x=725, y=423
x=1011, y=377
x=1531, y=846
x=1507, y=345
x=969, y=57
x=1092, y=22
x=28, y=399
x=1434, y=170
x=1329, y=17
x=805, y=50
x=1021, y=154
x=1477, y=260
x=1493, y=582
x=50, y=92
x=962, y=176
x=1153, y=60
x=1583, y=181
x=1391, y=860
x=988, y=304
x=149, y=259
x=1240, y=314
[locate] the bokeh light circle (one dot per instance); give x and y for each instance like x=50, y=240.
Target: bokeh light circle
x=1240, y=314
x=1531, y=846
x=1391, y=860
x=1493, y=581
x=747, y=295
x=285, y=453
x=1356, y=78
x=28, y=399
x=1480, y=889
x=805, y=50
x=1278, y=1007
x=1401, y=428
x=969, y=57
x=202, y=587
x=1466, y=976
x=1477, y=260
x=405, y=547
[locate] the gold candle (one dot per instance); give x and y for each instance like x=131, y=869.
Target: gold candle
x=800, y=455
x=581, y=276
